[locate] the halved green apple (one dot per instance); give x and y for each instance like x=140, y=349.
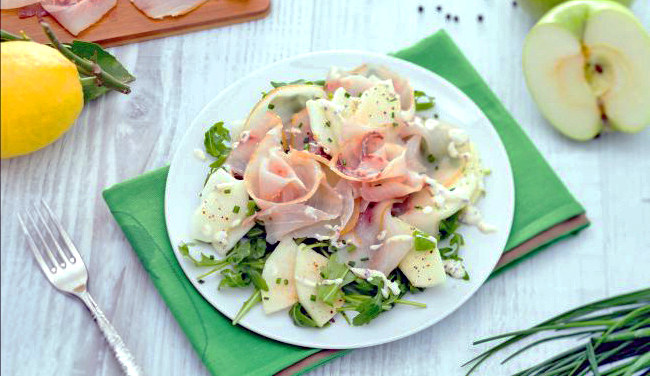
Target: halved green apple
x=586, y=63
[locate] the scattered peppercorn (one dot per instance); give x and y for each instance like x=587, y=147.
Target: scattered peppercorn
x=201, y=281
x=456, y=19
x=480, y=18
x=439, y=8
x=514, y=4
x=448, y=17
x=420, y=9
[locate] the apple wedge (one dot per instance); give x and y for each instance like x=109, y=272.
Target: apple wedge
x=279, y=276
x=307, y=275
x=586, y=65
x=220, y=217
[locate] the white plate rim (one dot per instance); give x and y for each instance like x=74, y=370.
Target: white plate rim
x=508, y=205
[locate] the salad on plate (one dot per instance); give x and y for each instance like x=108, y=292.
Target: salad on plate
x=338, y=196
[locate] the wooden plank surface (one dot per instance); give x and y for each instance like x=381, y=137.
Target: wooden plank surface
x=126, y=24
x=118, y=137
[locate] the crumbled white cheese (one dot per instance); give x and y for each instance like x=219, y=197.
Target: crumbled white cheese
x=454, y=268
x=199, y=154
x=427, y=209
x=235, y=223
x=431, y=124
x=336, y=281
x=375, y=247
x=382, y=235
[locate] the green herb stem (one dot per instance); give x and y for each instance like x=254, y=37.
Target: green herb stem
x=255, y=298
x=85, y=66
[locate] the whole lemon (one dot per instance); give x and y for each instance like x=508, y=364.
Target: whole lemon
x=41, y=96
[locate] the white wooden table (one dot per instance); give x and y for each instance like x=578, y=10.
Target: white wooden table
x=118, y=137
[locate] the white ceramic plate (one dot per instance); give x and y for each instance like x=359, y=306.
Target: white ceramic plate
x=481, y=253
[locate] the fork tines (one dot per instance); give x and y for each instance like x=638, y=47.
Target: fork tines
x=44, y=232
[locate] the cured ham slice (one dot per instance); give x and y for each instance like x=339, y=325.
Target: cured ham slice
x=11, y=4
x=274, y=177
x=322, y=216
x=166, y=8
x=381, y=240
x=78, y=15
x=386, y=170
x=249, y=140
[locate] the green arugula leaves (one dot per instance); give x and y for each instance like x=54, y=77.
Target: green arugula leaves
x=242, y=266
x=217, y=143
x=423, y=101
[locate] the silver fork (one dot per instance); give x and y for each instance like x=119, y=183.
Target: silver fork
x=67, y=272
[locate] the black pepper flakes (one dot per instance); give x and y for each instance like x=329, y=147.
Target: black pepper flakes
x=420, y=9
x=448, y=17
x=439, y=8
x=480, y=18
x=514, y=4
x=456, y=19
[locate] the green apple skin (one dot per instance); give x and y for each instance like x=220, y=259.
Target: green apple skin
x=569, y=21
x=539, y=7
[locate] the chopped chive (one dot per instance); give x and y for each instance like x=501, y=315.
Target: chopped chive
x=347, y=95
x=352, y=263
x=271, y=106
x=312, y=298
x=235, y=209
x=351, y=248
x=278, y=280
x=364, y=259
x=431, y=158
x=418, y=207
x=328, y=124
x=227, y=191
x=286, y=282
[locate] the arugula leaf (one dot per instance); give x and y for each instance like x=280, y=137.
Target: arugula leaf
x=422, y=241
x=328, y=294
x=106, y=61
x=205, y=260
x=368, y=310
x=301, y=318
x=255, y=298
x=449, y=226
x=423, y=101
x=217, y=143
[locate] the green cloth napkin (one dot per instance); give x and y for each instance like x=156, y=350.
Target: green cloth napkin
x=543, y=204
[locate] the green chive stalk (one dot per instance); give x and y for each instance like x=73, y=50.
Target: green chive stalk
x=617, y=342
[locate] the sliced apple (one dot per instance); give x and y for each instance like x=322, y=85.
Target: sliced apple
x=307, y=276
x=423, y=268
x=586, y=65
x=219, y=219
x=285, y=101
x=278, y=273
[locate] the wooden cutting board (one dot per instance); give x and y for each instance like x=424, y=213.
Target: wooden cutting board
x=126, y=24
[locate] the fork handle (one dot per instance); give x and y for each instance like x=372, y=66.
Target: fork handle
x=122, y=353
